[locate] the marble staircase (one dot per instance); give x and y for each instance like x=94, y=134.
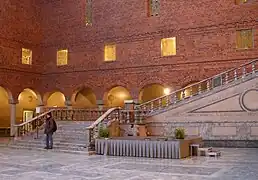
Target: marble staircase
x=70, y=137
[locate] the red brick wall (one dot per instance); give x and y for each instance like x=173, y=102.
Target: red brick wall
x=205, y=32
x=19, y=27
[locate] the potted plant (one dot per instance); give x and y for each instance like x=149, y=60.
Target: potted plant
x=103, y=132
x=179, y=133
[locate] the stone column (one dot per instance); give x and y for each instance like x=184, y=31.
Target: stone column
x=13, y=116
x=100, y=104
x=68, y=102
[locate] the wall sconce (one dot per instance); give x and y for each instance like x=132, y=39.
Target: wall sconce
x=166, y=91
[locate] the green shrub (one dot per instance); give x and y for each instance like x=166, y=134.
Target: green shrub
x=103, y=132
x=180, y=133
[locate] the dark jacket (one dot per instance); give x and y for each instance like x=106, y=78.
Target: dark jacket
x=49, y=126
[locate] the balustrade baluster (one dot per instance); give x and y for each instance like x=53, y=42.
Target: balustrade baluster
x=244, y=72
x=226, y=78
x=159, y=103
x=253, y=67
x=208, y=85
x=167, y=100
x=191, y=91
x=199, y=88
x=152, y=106
x=183, y=94
x=235, y=74
x=175, y=98
x=128, y=117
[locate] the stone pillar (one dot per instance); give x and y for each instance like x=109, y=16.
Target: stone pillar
x=13, y=116
x=68, y=102
x=100, y=104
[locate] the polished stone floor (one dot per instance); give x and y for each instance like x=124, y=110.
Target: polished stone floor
x=234, y=164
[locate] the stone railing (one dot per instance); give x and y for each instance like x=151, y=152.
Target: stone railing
x=31, y=126
x=59, y=114
x=241, y=73
x=113, y=114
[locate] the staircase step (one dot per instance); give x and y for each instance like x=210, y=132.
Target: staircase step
x=55, y=142
x=72, y=151
x=57, y=146
x=70, y=137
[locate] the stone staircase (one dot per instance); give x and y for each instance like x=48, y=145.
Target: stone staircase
x=70, y=137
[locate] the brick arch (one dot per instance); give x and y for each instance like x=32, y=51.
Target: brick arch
x=189, y=83
x=38, y=94
x=9, y=92
x=78, y=89
x=49, y=93
x=105, y=96
x=188, y=77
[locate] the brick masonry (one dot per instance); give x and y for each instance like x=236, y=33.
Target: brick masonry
x=205, y=32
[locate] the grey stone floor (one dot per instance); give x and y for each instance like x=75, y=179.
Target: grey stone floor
x=235, y=164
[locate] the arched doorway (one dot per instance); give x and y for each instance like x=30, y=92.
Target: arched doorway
x=116, y=97
x=84, y=98
x=28, y=100
x=56, y=99
x=4, y=108
x=152, y=91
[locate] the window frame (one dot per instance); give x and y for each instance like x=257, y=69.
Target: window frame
x=67, y=57
x=252, y=39
x=88, y=12
x=161, y=46
x=151, y=10
x=30, y=60
x=110, y=60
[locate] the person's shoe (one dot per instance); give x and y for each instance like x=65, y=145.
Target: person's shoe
x=46, y=147
x=50, y=148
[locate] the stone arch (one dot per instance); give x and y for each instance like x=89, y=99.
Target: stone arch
x=84, y=97
x=54, y=99
x=28, y=100
x=9, y=93
x=152, y=91
x=5, y=99
x=148, y=82
x=116, y=96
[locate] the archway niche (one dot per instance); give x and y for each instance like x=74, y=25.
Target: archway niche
x=28, y=100
x=152, y=91
x=116, y=97
x=56, y=99
x=84, y=98
x=4, y=108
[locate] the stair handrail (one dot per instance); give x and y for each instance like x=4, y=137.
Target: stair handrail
x=93, y=129
x=34, y=119
x=102, y=117
x=199, y=83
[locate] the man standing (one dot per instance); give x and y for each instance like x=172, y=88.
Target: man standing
x=50, y=128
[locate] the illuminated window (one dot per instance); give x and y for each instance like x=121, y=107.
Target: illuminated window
x=110, y=52
x=244, y=39
x=62, y=57
x=154, y=7
x=168, y=46
x=241, y=1
x=26, y=56
x=88, y=11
